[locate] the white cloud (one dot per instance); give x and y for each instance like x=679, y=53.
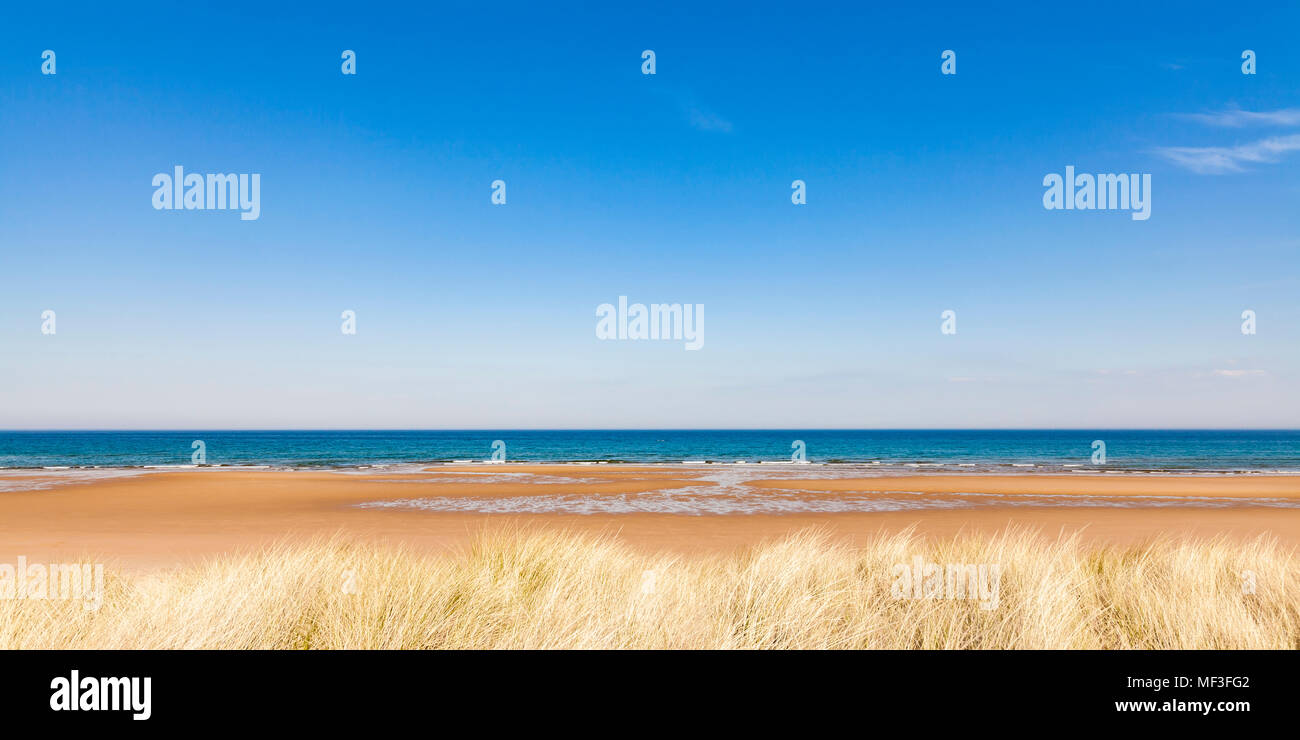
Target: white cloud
x=1238, y=373
x=1216, y=160
x=1237, y=118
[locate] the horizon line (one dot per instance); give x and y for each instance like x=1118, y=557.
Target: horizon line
x=646, y=429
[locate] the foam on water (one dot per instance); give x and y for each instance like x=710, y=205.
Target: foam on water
x=47, y=478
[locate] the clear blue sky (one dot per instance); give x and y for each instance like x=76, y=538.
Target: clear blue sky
x=924, y=194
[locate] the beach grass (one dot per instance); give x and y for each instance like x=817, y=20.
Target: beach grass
x=539, y=589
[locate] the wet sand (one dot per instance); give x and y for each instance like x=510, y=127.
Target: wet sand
x=164, y=519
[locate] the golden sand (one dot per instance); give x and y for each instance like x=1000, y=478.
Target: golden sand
x=164, y=519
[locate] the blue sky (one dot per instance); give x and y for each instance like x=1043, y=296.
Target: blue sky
x=924, y=194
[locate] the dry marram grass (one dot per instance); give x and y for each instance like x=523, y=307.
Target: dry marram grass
x=558, y=590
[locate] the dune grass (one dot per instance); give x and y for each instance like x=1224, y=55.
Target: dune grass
x=557, y=590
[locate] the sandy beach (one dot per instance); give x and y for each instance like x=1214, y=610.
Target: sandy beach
x=163, y=519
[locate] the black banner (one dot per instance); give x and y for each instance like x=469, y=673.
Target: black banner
x=961, y=689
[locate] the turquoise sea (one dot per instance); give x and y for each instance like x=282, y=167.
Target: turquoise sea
x=959, y=450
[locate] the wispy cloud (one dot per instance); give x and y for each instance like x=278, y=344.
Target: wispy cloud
x=707, y=121
x=1217, y=160
x=1237, y=118
x=1239, y=373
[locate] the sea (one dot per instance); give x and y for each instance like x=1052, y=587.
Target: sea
x=884, y=451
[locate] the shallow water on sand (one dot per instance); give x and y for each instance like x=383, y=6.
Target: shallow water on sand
x=723, y=490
